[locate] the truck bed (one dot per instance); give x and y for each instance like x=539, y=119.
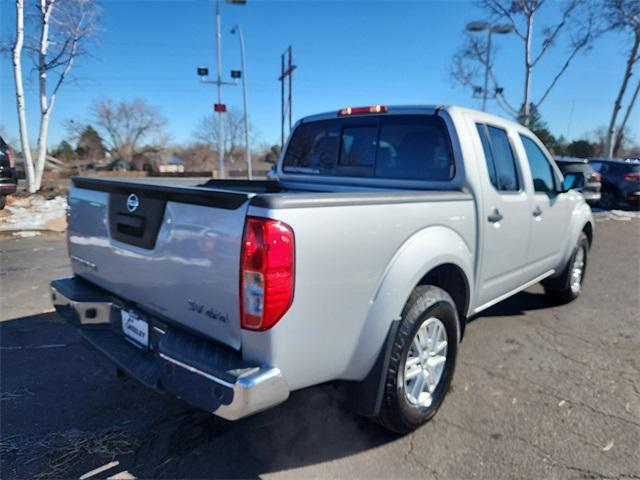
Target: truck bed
x=177, y=254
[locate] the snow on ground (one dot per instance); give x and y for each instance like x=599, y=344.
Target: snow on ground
x=34, y=213
x=619, y=215
x=26, y=234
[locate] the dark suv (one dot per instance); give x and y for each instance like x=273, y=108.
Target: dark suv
x=620, y=182
x=8, y=176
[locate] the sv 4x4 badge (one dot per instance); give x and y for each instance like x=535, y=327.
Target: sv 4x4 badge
x=208, y=311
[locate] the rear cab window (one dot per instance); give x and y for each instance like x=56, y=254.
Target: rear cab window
x=408, y=147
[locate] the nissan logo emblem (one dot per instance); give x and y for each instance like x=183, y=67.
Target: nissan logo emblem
x=132, y=203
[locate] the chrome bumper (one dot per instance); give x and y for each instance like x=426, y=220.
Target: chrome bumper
x=232, y=390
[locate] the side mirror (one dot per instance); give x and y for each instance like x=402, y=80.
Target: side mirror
x=572, y=180
x=272, y=174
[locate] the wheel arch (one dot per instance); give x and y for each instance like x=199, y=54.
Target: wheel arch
x=588, y=231
x=581, y=222
x=450, y=277
x=436, y=255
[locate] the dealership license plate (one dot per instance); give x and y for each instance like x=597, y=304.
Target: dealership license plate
x=135, y=327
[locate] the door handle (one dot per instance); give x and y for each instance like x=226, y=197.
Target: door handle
x=495, y=216
x=537, y=211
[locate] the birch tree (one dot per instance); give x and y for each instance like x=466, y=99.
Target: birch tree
x=623, y=16
x=576, y=24
x=55, y=37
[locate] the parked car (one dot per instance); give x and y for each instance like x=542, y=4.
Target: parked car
x=592, y=185
x=384, y=231
x=620, y=182
x=8, y=177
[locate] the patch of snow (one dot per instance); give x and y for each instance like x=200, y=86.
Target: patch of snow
x=33, y=213
x=26, y=234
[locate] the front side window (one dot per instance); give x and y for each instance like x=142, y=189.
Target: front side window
x=409, y=147
x=501, y=162
x=541, y=170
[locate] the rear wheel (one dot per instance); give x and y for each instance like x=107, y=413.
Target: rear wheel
x=422, y=360
x=568, y=285
x=608, y=199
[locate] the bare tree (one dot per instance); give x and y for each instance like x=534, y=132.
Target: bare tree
x=56, y=38
x=624, y=16
x=127, y=124
x=207, y=132
x=576, y=22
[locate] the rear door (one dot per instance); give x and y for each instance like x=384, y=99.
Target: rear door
x=168, y=250
x=550, y=213
x=504, y=215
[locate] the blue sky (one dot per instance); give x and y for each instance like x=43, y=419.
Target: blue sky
x=348, y=53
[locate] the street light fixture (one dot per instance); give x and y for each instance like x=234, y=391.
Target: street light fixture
x=243, y=68
x=491, y=29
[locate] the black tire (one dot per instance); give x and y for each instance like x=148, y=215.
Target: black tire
x=558, y=289
x=3, y=201
x=608, y=199
x=397, y=412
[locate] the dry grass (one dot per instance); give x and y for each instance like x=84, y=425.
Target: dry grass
x=65, y=451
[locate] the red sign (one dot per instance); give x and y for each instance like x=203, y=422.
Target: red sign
x=219, y=107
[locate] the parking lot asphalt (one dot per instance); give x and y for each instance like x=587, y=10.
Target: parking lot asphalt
x=540, y=391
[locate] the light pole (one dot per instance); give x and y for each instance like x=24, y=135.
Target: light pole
x=219, y=88
x=203, y=72
x=491, y=29
x=247, y=150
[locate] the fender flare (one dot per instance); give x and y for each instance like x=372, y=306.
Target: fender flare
x=420, y=254
x=580, y=218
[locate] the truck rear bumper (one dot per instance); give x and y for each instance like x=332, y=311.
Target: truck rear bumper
x=204, y=373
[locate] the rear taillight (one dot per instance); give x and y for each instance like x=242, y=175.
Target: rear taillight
x=632, y=177
x=266, y=272
x=12, y=162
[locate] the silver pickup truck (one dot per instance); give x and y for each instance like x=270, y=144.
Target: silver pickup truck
x=383, y=231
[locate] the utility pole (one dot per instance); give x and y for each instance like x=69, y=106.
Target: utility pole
x=286, y=106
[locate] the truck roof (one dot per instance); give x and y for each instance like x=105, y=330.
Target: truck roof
x=425, y=109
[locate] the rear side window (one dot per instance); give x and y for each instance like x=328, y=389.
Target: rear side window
x=541, y=170
x=410, y=147
x=498, y=154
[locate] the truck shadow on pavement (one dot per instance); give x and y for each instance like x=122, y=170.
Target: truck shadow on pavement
x=65, y=413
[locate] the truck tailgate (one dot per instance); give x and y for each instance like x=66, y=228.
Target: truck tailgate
x=171, y=250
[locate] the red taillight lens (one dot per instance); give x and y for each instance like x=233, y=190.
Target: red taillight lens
x=632, y=177
x=12, y=162
x=266, y=272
